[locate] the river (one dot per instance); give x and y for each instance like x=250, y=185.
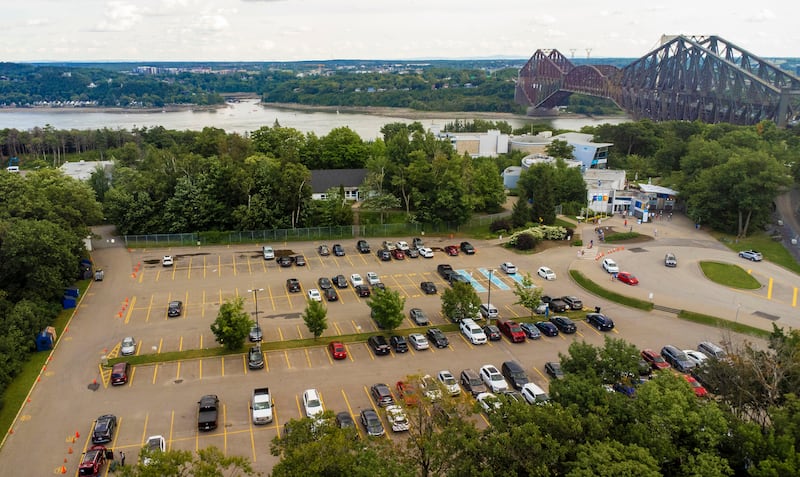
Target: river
x=248, y=115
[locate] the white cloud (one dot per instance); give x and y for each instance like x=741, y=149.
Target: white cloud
x=764, y=15
x=37, y=21
x=213, y=23
x=119, y=17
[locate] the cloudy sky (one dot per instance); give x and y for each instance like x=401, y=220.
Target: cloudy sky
x=287, y=30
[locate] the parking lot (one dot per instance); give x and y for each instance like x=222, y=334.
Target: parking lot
x=161, y=399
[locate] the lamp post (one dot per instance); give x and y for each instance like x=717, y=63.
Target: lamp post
x=489, y=296
x=255, y=291
x=738, y=306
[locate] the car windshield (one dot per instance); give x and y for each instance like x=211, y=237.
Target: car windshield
x=475, y=382
x=261, y=406
x=313, y=403
x=153, y=444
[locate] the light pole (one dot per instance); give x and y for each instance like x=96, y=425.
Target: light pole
x=738, y=305
x=255, y=291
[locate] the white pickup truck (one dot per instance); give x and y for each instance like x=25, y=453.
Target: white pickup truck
x=261, y=406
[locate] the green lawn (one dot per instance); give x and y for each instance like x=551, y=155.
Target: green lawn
x=772, y=250
x=729, y=275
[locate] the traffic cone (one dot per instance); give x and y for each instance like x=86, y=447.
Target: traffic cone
x=63, y=469
x=78, y=434
x=94, y=381
x=68, y=452
x=65, y=460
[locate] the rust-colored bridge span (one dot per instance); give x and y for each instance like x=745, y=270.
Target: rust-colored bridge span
x=686, y=78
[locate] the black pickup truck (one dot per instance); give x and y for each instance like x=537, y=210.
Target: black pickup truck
x=445, y=271
x=207, y=412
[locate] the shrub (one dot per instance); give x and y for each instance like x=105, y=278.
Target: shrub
x=525, y=241
x=502, y=223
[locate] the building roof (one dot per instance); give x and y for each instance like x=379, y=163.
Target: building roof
x=324, y=179
x=581, y=139
x=83, y=170
x=654, y=189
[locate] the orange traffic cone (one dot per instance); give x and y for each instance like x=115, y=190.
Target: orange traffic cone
x=78, y=434
x=68, y=452
x=63, y=469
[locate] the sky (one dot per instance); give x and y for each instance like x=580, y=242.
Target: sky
x=294, y=30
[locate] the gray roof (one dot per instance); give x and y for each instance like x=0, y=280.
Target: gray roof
x=324, y=179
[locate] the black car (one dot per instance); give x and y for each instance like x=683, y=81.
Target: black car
x=573, y=302
x=492, y=333
x=438, y=338
x=338, y=250
x=556, y=304
x=600, y=321
x=285, y=261
x=384, y=255
x=467, y=248
x=418, y=317
x=399, y=344
x=362, y=290
x=330, y=294
x=429, y=288
x=175, y=308
x=104, y=429
x=547, y=328
x=553, y=368
x=379, y=286
x=339, y=281
x=255, y=358
x=324, y=283
x=256, y=334
x=379, y=345
x=344, y=420
x=323, y=250
x=293, y=285
x=300, y=261
x=564, y=324
x=362, y=246
x=372, y=423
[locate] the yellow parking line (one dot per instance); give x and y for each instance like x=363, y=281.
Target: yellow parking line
x=201, y=341
x=350, y=410
x=144, y=431
x=141, y=275
x=308, y=357
x=794, y=298
x=174, y=271
x=149, y=309
x=201, y=368
x=286, y=355
x=171, y=424
x=349, y=354
x=180, y=344
x=178, y=372
x=160, y=343
x=355, y=326
x=155, y=373
x=266, y=363
x=225, y=428
x=204, y=266
x=252, y=437
x=130, y=379
x=280, y=334
x=203, y=307
x=371, y=354
x=271, y=298
x=189, y=272
x=249, y=266
x=299, y=333
x=338, y=330
x=219, y=267
x=130, y=310
x=769, y=289
x=223, y=365
x=234, y=265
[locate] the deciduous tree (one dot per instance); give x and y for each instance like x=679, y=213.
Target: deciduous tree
x=232, y=324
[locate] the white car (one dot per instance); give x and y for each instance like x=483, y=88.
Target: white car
x=489, y=402
x=154, y=444
x=356, y=279
x=695, y=356
x=373, y=278
x=418, y=341
x=509, y=268
x=313, y=294
x=167, y=261
x=533, y=394
x=472, y=331
x=312, y=404
x=546, y=273
x=449, y=382
x=610, y=265
x=425, y=252
x=429, y=388
x=493, y=379
x=269, y=252
x=128, y=346
x=402, y=245
x=397, y=418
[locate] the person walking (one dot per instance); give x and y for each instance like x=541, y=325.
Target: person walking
x=122, y=458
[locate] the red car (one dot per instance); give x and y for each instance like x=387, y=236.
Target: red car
x=337, y=349
x=654, y=359
x=408, y=392
x=93, y=461
x=398, y=254
x=698, y=388
x=626, y=277
x=451, y=250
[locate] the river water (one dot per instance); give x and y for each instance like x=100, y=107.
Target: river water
x=247, y=116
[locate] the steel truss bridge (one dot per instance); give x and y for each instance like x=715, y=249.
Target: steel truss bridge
x=687, y=78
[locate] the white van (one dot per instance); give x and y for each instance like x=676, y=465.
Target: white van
x=711, y=350
x=533, y=394
x=489, y=311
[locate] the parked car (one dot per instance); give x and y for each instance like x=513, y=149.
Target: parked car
x=418, y=341
x=472, y=382
x=398, y=254
x=355, y=279
x=472, y=331
x=698, y=388
x=489, y=402
x=547, y=328
x=362, y=290
x=514, y=373
x=372, y=423
x=379, y=286
x=411, y=253
x=128, y=346
x=338, y=250
x=467, y=248
x=373, y=278
x=600, y=321
x=330, y=294
x=104, y=428
x=312, y=404
x=92, y=461
x=285, y=261
x=654, y=359
x=255, y=358
x=417, y=243
x=154, y=445
x=418, y=317
x=530, y=330
x=451, y=250
x=493, y=379
x=677, y=358
x=751, y=255
x=425, y=252
x=509, y=268
x=379, y=345
x=429, y=388
x=429, y=288
x=337, y=350
x=564, y=324
x=546, y=273
x=712, y=350
x=314, y=294
x=397, y=418
x=324, y=283
x=381, y=394
x=268, y=252
x=449, y=382
x=670, y=260
x=339, y=281
x=624, y=388
x=610, y=266
x=398, y=344
x=533, y=394
x=120, y=373
x=345, y=421
x=553, y=368
x=627, y=277
x=696, y=357
x=438, y=338
x=492, y=332
x=488, y=311
x=299, y=261
x=362, y=246
x=384, y=255
x=175, y=308
x=167, y=261
x=573, y=302
x=388, y=245
x=407, y=392
x=323, y=250
x=556, y=305
x=293, y=285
